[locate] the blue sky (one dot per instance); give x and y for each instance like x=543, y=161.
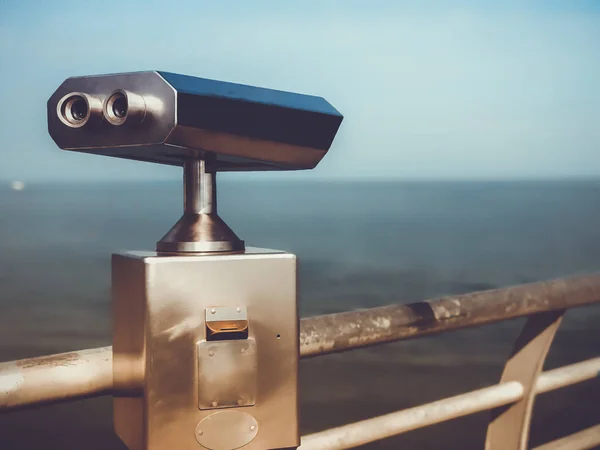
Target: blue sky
x=434, y=90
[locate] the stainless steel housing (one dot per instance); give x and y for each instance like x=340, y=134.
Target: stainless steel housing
x=169, y=118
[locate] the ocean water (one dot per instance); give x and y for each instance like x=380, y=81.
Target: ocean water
x=360, y=244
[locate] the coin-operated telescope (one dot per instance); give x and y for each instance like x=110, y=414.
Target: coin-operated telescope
x=205, y=341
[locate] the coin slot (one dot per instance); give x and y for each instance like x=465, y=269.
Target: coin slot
x=226, y=323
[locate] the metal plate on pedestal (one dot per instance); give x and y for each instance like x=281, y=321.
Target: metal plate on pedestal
x=227, y=373
x=226, y=430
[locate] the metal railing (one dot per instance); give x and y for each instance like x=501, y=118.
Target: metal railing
x=88, y=373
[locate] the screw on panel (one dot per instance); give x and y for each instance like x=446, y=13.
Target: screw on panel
x=252, y=427
x=211, y=353
x=238, y=309
x=214, y=404
x=200, y=432
x=212, y=311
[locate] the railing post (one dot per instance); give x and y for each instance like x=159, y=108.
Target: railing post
x=509, y=426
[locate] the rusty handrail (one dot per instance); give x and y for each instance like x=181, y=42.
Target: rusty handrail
x=349, y=330
x=86, y=373
x=56, y=378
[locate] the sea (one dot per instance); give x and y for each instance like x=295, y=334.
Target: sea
x=360, y=244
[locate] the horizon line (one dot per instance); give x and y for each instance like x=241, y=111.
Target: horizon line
x=245, y=179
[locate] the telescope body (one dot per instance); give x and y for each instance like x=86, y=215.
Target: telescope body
x=167, y=118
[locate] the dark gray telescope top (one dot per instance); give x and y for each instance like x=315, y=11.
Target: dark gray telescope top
x=185, y=84
x=254, y=111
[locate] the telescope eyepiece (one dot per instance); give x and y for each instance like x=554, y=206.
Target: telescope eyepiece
x=74, y=110
x=122, y=106
x=116, y=108
x=77, y=109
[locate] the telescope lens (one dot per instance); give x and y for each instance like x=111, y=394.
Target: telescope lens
x=116, y=108
x=79, y=109
x=119, y=107
x=74, y=110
